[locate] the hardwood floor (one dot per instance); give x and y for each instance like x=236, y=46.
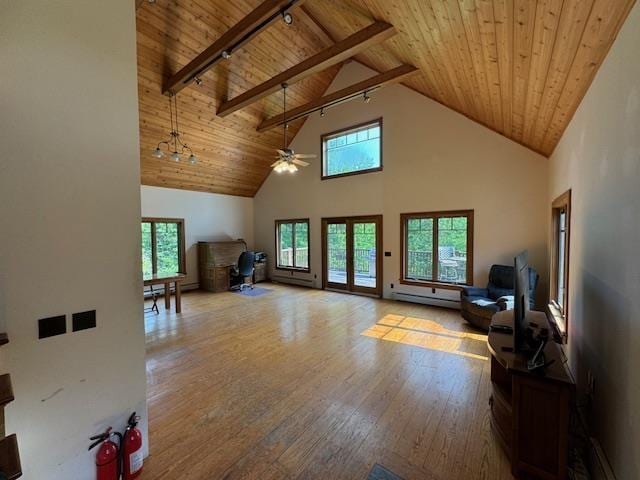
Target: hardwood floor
x=308, y=384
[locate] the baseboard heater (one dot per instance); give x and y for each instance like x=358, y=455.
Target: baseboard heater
x=303, y=282
x=427, y=300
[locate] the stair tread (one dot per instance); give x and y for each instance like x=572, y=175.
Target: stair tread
x=10, y=458
x=6, y=390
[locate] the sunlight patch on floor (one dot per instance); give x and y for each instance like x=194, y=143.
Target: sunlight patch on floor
x=423, y=333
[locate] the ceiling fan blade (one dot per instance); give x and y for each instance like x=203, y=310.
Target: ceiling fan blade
x=282, y=152
x=300, y=162
x=305, y=155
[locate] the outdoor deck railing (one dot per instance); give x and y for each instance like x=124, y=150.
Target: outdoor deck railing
x=419, y=263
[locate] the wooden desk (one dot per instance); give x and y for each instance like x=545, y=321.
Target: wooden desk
x=167, y=279
x=530, y=411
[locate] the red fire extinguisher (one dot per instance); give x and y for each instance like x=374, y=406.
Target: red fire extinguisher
x=108, y=456
x=132, y=449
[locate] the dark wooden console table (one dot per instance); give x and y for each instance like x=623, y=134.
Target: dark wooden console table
x=530, y=411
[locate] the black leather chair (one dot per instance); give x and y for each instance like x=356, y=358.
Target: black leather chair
x=243, y=270
x=478, y=305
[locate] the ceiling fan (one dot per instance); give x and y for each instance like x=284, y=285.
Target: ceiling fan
x=287, y=158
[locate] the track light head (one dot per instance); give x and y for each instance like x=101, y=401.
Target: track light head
x=226, y=54
x=366, y=97
x=197, y=80
x=322, y=112
x=287, y=18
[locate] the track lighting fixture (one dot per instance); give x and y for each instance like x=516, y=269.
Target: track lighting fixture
x=366, y=98
x=197, y=80
x=322, y=112
x=287, y=18
x=174, y=143
x=226, y=54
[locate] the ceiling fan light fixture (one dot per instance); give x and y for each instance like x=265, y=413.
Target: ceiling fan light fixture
x=292, y=168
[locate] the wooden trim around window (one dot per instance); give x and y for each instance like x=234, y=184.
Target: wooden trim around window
x=181, y=241
x=560, y=313
x=342, y=130
x=293, y=236
x=434, y=283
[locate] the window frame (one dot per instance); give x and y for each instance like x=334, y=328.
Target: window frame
x=341, y=131
x=434, y=283
x=293, y=268
x=560, y=313
x=181, y=242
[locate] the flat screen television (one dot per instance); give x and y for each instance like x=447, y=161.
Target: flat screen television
x=520, y=301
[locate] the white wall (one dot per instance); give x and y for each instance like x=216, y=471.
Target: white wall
x=70, y=237
x=434, y=159
x=599, y=159
x=208, y=217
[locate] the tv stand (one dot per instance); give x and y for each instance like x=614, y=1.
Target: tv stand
x=530, y=410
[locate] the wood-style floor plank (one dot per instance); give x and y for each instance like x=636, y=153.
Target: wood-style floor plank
x=307, y=384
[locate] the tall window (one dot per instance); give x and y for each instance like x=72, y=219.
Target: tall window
x=163, y=249
x=437, y=248
x=292, y=244
x=561, y=217
x=353, y=150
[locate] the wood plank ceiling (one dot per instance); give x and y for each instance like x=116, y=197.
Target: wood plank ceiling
x=519, y=67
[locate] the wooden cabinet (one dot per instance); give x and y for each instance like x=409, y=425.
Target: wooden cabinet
x=260, y=272
x=215, y=260
x=530, y=411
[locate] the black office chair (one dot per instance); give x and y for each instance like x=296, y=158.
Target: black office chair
x=243, y=270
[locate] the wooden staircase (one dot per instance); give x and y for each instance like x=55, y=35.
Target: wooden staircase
x=9, y=457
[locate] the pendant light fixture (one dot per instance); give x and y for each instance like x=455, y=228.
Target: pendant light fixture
x=174, y=145
x=287, y=158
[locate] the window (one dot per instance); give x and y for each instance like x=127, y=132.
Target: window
x=559, y=298
x=437, y=248
x=163, y=249
x=292, y=244
x=354, y=150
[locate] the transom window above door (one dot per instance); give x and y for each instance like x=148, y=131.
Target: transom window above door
x=163, y=247
x=437, y=248
x=353, y=150
x=292, y=244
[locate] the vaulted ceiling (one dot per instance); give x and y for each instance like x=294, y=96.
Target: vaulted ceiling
x=519, y=67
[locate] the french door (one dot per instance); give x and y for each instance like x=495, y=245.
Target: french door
x=352, y=254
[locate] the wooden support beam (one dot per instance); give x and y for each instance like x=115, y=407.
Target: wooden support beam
x=375, y=33
x=242, y=32
x=395, y=75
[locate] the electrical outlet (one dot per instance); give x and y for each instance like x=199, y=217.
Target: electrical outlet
x=392, y=285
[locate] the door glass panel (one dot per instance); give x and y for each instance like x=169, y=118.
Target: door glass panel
x=452, y=249
x=364, y=254
x=337, y=252
x=420, y=248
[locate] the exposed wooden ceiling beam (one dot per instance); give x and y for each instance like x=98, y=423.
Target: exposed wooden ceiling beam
x=395, y=75
x=242, y=32
x=375, y=33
